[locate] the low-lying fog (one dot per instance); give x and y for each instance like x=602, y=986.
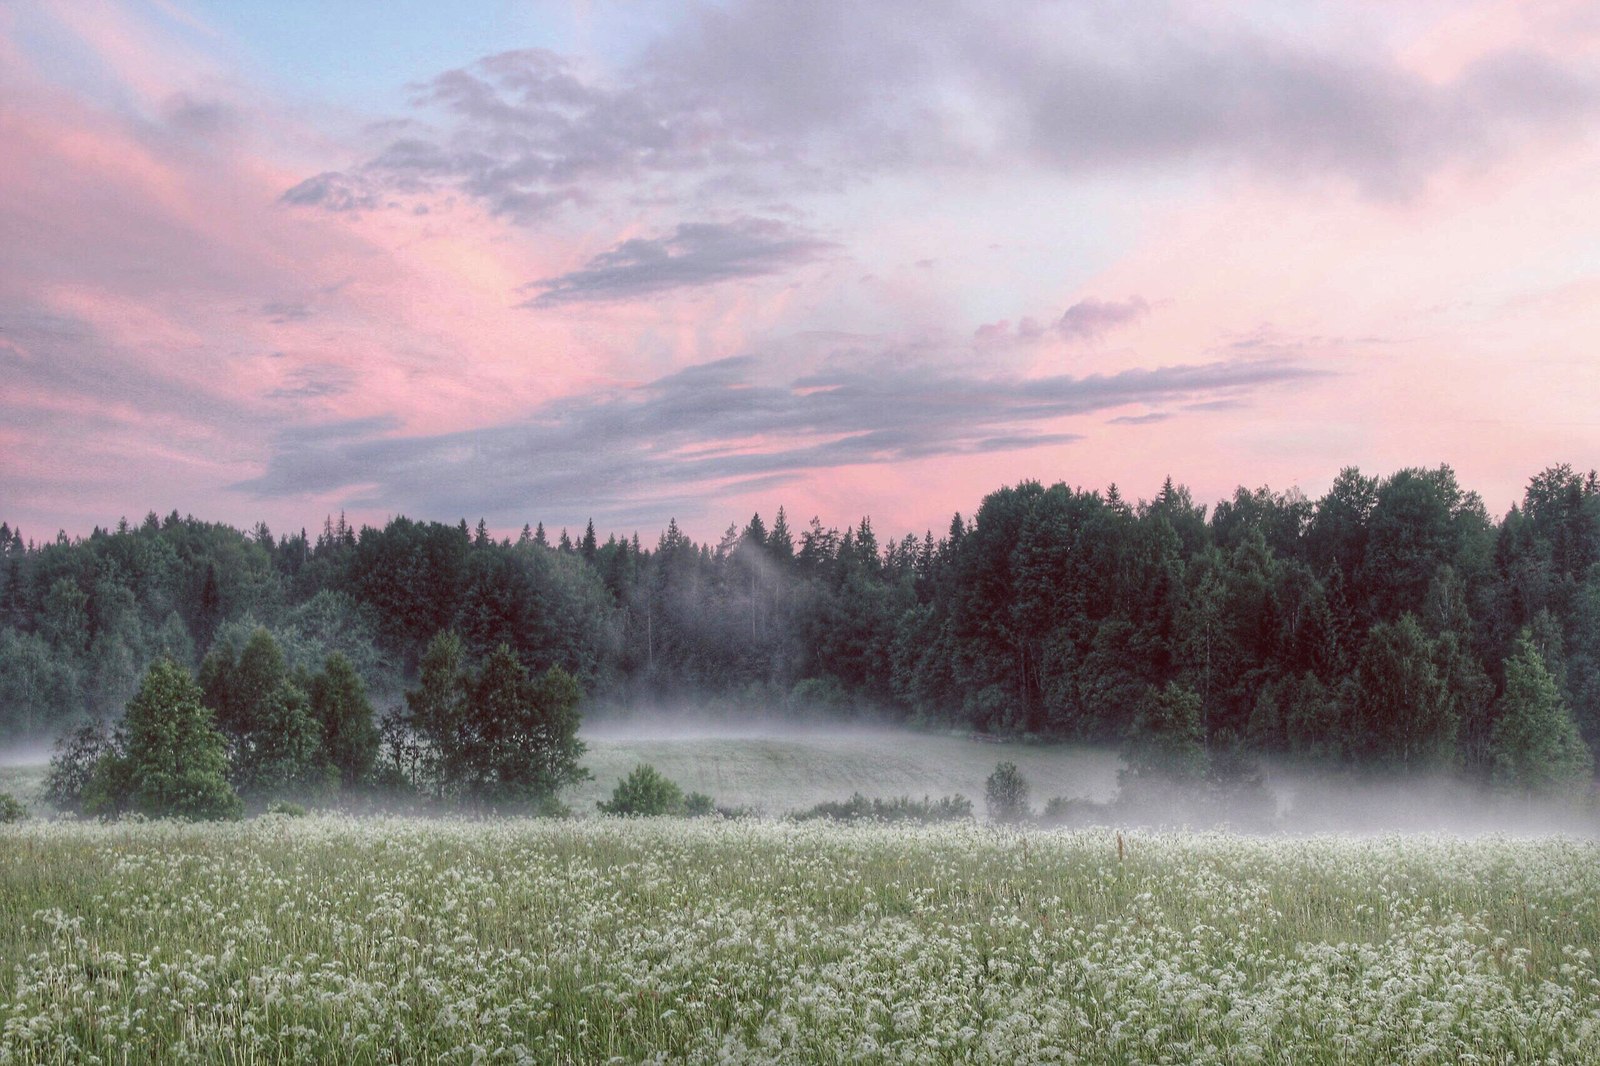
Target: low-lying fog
x=778, y=766
x=24, y=755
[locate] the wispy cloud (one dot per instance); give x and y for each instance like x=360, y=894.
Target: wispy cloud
x=721, y=426
x=694, y=255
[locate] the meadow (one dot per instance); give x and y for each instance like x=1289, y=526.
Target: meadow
x=778, y=769
x=410, y=939
x=331, y=938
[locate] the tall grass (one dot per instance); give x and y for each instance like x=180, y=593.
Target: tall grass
x=333, y=939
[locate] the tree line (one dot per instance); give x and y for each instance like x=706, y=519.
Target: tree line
x=249, y=728
x=1392, y=622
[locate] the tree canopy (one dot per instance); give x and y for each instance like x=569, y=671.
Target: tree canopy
x=1374, y=624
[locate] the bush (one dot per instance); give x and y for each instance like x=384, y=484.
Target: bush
x=1006, y=794
x=698, y=805
x=287, y=809
x=1074, y=812
x=644, y=793
x=11, y=809
x=904, y=809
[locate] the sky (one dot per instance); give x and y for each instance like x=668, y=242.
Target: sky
x=632, y=261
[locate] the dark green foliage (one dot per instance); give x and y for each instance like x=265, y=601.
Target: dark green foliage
x=173, y=762
x=1401, y=712
x=1054, y=610
x=284, y=755
x=1005, y=794
x=274, y=733
x=495, y=735
x=436, y=712
x=699, y=805
x=349, y=735
x=37, y=686
x=521, y=738
x=1536, y=747
x=1167, y=739
x=644, y=793
x=901, y=809
x=11, y=809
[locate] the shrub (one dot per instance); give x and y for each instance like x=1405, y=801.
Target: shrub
x=1074, y=811
x=698, y=805
x=903, y=809
x=1006, y=794
x=644, y=792
x=11, y=809
x=287, y=809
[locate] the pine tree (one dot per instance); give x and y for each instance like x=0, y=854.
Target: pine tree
x=590, y=547
x=780, y=541
x=755, y=533
x=1402, y=711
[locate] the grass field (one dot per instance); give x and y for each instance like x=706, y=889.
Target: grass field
x=775, y=772
x=388, y=940
x=782, y=771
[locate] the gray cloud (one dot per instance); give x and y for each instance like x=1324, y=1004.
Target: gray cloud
x=624, y=452
x=282, y=311
x=744, y=99
x=693, y=255
x=1091, y=319
x=334, y=191
x=314, y=381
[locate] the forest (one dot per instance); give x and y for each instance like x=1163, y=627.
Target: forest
x=1392, y=624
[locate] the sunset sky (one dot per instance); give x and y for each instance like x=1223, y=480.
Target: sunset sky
x=535, y=261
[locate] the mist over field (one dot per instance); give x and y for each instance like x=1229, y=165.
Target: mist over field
x=774, y=767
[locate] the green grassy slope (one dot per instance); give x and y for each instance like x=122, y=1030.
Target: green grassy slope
x=781, y=773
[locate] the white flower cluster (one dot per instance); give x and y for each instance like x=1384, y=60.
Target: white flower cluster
x=394, y=941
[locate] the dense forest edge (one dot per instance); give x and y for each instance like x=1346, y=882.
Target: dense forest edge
x=1392, y=624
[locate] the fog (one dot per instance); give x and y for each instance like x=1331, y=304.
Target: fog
x=1310, y=801
x=777, y=765
x=27, y=754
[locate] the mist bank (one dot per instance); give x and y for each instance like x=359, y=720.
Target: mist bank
x=1390, y=624
x=776, y=768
